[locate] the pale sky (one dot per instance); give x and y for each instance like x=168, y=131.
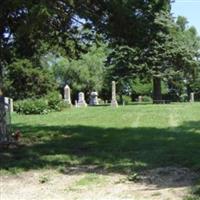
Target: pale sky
x=189, y=9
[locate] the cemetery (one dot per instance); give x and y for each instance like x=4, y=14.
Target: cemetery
x=99, y=100
x=94, y=142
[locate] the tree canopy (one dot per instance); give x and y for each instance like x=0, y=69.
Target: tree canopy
x=144, y=41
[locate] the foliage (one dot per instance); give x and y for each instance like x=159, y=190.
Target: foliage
x=140, y=87
x=31, y=106
x=55, y=102
x=85, y=74
x=170, y=55
x=26, y=81
x=195, y=193
x=124, y=99
x=50, y=102
x=26, y=27
x=185, y=58
x=147, y=99
x=146, y=43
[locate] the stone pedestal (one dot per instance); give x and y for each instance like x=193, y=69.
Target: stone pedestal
x=81, y=100
x=94, y=99
x=67, y=95
x=114, y=100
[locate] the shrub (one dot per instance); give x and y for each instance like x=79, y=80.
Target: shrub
x=51, y=102
x=55, y=102
x=31, y=106
x=127, y=99
x=146, y=99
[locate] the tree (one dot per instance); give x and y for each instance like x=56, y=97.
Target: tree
x=25, y=26
x=134, y=24
x=185, y=57
x=23, y=80
x=170, y=54
x=84, y=74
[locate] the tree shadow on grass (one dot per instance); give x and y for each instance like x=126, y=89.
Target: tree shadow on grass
x=103, y=150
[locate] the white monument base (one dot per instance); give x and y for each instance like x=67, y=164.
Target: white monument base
x=81, y=100
x=82, y=104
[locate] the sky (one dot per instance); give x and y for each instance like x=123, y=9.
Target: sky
x=189, y=9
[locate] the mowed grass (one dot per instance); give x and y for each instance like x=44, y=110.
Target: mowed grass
x=123, y=139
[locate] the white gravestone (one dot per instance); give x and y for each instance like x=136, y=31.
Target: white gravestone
x=67, y=94
x=8, y=104
x=94, y=99
x=114, y=100
x=192, y=97
x=140, y=99
x=76, y=104
x=81, y=100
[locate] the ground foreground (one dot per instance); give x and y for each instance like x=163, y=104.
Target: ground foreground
x=50, y=184
x=132, y=152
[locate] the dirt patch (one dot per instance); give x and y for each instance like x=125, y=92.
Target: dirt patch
x=157, y=184
x=168, y=177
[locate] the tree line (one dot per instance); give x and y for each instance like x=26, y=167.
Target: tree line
x=86, y=44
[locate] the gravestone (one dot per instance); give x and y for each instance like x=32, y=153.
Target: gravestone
x=76, y=104
x=192, y=97
x=81, y=100
x=11, y=105
x=8, y=103
x=94, y=99
x=114, y=100
x=67, y=95
x=140, y=99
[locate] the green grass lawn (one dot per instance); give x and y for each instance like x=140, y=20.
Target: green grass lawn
x=123, y=139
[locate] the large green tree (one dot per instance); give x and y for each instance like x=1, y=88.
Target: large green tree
x=185, y=57
x=134, y=24
x=84, y=74
x=25, y=26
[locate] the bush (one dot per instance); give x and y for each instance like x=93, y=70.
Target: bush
x=55, y=102
x=147, y=99
x=127, y=99
x=124, y=99
x=31, y=106
x=51, y=102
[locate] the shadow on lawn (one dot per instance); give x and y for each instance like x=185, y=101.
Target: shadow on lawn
x=100, y=150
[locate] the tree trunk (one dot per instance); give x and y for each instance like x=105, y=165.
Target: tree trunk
x=3, y=122
x=157, y=95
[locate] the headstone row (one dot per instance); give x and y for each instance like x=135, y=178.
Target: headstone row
x=93, y=97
